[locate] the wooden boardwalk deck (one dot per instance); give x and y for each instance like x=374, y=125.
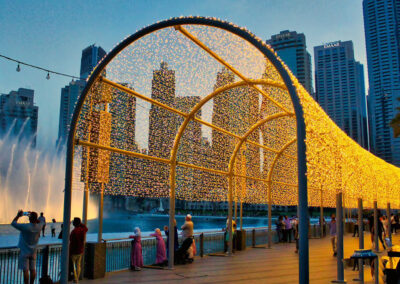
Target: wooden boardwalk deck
x=254, y=265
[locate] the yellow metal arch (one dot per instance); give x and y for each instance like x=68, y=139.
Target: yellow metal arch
x=269, y=180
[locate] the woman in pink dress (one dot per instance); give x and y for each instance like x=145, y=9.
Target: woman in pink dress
x=161, y=258
x=136, y=252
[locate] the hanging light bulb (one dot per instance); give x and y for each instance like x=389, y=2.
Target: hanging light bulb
x=18, y=68
x=48, y=76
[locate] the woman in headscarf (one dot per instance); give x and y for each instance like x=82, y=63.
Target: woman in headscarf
x=136, y=252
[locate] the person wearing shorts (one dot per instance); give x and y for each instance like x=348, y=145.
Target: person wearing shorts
x=28, y=240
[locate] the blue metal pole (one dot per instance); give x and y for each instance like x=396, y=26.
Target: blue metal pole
x=360, y=239
x=339, y=239
x=303, y=202
x=376, y=232
x=67, y=212
x=389, y=221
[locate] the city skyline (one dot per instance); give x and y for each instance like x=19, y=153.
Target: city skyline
x=64, y=38
x=382, y=26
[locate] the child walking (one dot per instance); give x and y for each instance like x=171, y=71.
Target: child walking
x=136, y=252
x=161, y=258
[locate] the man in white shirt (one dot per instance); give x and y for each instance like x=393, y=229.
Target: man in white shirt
x=28, y=240
x=42, y=219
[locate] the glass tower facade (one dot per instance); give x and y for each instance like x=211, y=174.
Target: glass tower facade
x=291, y=48
x=340, y=88
x=382, y=37
x=91, y=55
x=19, y=115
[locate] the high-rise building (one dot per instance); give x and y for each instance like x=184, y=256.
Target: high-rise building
x=123, y=172
x=190, y=146
x=340, y=91
x=19, y=115
x=91, y=55
x=235, y=110
x=69, y=97
x=292, y=49
x=71, y=92
x=162, y=123
x=382, y=37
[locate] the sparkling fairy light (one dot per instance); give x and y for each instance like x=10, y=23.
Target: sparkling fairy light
x=224, y=86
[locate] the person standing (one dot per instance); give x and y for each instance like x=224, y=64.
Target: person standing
x=53, y=228
x=397, y=223
x=28, y=240
x=288, y=229
x=295, y=227
x=187, y=228
x=136, y=252
x=161, y=258
x=42, y=219
x=355, y=223
x=392, y=223
x=76, y=246
x=332, y=232
x=279, y=228
x=176, y=244
x=385, y=223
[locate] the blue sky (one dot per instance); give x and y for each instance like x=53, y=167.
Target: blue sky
x=52, y=34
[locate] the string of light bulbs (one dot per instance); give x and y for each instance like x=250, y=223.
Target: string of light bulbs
x=19, y=63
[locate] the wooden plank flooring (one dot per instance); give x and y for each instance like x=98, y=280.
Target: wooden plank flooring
x=276, y=265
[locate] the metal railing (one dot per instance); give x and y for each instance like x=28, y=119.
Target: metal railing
x=118, y=253
x=10, y=274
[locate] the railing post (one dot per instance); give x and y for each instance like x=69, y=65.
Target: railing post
x=45, y=261
x=201, y=244
x=253, y=238
x=376, y=231
x=339, y=238
x=389, y=221
x=360, y=239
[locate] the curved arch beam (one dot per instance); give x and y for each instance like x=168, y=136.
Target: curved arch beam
x=234, y=155
x=249, y=132
x=291, y=88
x=269, y=178
x=191, y=116
x=227, y=65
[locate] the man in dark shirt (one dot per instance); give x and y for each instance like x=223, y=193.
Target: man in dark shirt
x=76, y=246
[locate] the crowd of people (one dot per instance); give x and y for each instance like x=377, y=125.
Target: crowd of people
x=286, y=228
x=182, y=254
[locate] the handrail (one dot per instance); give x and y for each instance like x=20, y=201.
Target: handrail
x=39, y=246
x=195, y=233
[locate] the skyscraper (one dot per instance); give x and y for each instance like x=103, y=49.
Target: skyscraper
x=162, y=123
x=235, y=110
x=190, y=145
x=382, y=37
x=71, y=92
x=69, y=97
x=91, y=55
x=292, y=49
x=19, y=115
x=340, y=90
